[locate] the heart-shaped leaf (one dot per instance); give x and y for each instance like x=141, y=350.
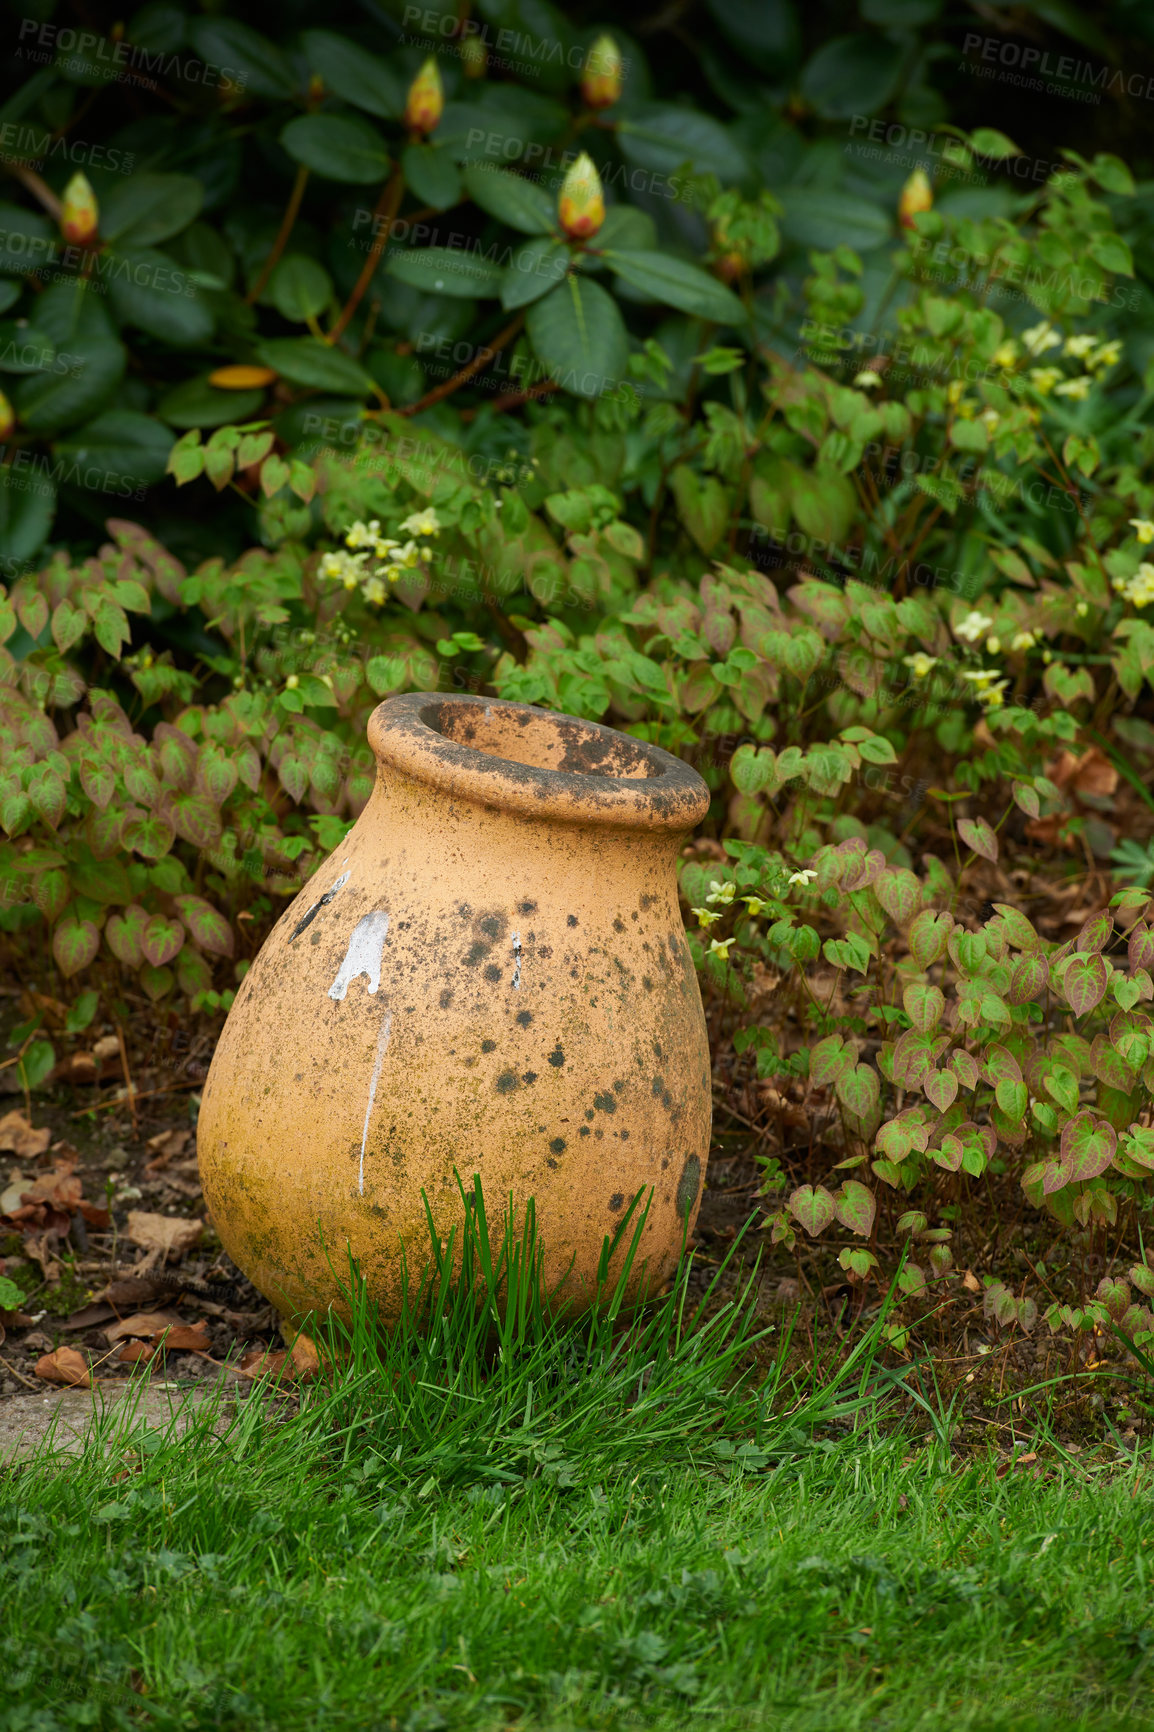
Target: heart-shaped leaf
x=74, y=944
x=1084, y=982
x=899, y=893
x=977, y=835
x=859, y=1090
x=1087, y=1146
x=965, y=1068
x=829, y=1059
x=941, y=1086
x=1013, y=1098
x=814, y=1207
x=924, y=1005
x=856, y=1207
x=161, y=940
x=124, y=935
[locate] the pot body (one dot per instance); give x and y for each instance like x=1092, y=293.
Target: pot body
x=490, y=976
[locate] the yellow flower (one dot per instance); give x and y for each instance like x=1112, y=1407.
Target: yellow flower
x=403, y=558
x=719, y=892
x=867, y=380
x=1144, y=529
x=720, y=947
x=755, y=905
x=581, y=206
x=1041, y=337
x=363, y=534
x=972, y=627
x=425, y=103
x=1079, y=346
x=993, y=646
x=1022, y=640
x=1077, y=389
x=920, y=664
x=1082, y=609
x=917, y=196
x=1044, y=379
x=705, y=916
x=805, y=877
x=1106, y=355
x=374, y=590
x=990, y=420
x=954, y=390
x=603, y=75
x=422, y=523
x=1138, y=589
x=1006, y=354
x=993, y=696
x=292, y=683
x=80, y=213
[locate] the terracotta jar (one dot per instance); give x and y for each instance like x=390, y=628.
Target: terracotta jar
x=490, y=974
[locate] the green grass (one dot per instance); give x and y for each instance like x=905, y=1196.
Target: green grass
x=492, y=1518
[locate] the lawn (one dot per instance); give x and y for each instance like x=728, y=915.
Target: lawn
x=494, y=1519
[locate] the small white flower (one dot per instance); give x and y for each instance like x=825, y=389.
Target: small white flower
x=1106, y=355
x=973, y=626
x=374, y=590
x=422, y=523
x=1076, y=389
x=993, y=646
x=719, y=892
x=1079, y=346
x=805, y=876
x=1041, y=337
x=1044, y=379
x=868, y=380
x=920, y=663
x=1022, y=640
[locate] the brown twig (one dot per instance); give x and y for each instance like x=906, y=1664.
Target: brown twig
x=480, y=359
x=288, y=222
x=514, y=399
x=39, y=188
x=128, y=1083
x=19, y=1375
x=386, y=209
x=132, y=1097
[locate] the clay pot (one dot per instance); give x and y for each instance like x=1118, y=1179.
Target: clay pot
x=489, y=975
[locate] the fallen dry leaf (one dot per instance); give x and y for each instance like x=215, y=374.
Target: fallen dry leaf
x=183, y=1338
x=305, y=1356
x=18, y=1136
x=1092, y=773
x=970, y=1282
x=136, y=1353
x=65, y=1366
x=167, y=1235
x=88, y=1317
x=166, y=1146
x=79, y=1068
x=145, y=1323
x=261, y=1363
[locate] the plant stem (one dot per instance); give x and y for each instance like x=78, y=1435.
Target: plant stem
x=480, y=359
x=386, y=209
x=292, y=210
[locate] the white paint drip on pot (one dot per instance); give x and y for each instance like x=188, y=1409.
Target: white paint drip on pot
x=516, y=962
x=382, y=1043
x=363, y=955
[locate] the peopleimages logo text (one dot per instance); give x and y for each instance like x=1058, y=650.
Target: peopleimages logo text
x=1040, y=63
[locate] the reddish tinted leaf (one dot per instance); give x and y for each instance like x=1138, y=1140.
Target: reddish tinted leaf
x=1084, y=982
x=829, y=1059
x=74, y=944
x=157, y=982
x=124, y=935
x=194, y=818
x=929, y=933
x=177, y=754
x=1096, y=933
x=1001, y=1066
x=899, y=893
x=856, y=1207
x=1141, y=946
x=814, y=1207
x=976, y=834
x=206, y=927
x=217, y=771
x=965, y=1068
x=924, y=1005
x=148, y=834
x=941, y=1087
x=915, y=1055
x=1109, y=1066
x=161, y=940
x=1028, y=981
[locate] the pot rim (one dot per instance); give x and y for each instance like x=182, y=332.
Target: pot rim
x=410, y=733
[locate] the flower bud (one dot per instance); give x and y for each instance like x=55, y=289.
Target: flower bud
x=602, y=78
x=582, y=203
x=80, y=214
x=7, y=417
x=917, y=195
x=426, y=100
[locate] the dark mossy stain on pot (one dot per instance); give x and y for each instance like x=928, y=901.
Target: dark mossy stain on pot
x=524, y=1017
x=616, y=1200
x=557, y=1058
x=494, y=926
x=488, y=1046
x=572, y=919
x=688, y=1184
x=526, y=907
x=529, y=1077
x=493, y=973
x=605, y=1102
x=506, y=1082
x=446, y=998
x=476, y=953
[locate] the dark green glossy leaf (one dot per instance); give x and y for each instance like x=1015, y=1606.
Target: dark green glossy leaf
x=664, y=138
x=444, y=271
x=27, y=507
x=307, y=361
x=196, y=403
x=578, y=334
x=121, y=447
x=511, y=198
x=243, y=57
x=338, y=147
x=678, y=284
x=852, y=75
x=354, y=74
x=300, y=288
x=536, y=268
x=139, y=210
x=151, y=291
x=48, y=401
x=432, y=175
